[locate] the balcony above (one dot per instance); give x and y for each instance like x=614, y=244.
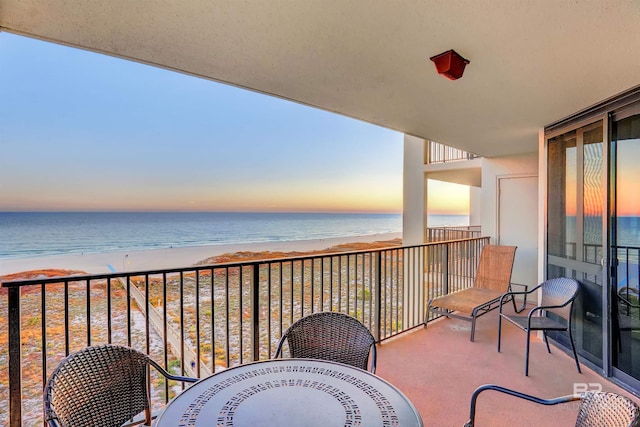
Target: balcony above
x=437, y=153
x=448, y=164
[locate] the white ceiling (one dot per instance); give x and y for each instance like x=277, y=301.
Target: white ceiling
x=532, y=61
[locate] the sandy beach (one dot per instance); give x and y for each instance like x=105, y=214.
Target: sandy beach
x=171, y=257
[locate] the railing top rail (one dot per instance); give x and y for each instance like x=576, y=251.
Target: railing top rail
x=194, y=268
x=456, y=227
x=622, y=247
x=441, y=153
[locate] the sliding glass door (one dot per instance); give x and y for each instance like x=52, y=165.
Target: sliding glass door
x=625, y=242
x=575, y=233
x=593, y=229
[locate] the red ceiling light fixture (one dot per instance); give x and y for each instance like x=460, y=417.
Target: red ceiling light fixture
x=450, y=64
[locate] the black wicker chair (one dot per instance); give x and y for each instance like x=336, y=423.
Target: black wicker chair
x=597, y=408
x=100, y=386
x=330, y=336
x=557, y=297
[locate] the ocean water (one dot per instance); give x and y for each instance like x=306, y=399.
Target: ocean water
x=628, y=230
x=628, y=242
x=31, y=234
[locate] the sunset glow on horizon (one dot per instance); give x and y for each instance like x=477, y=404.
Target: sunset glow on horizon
x=628, y=198
x=447, y=198
x=627, y=178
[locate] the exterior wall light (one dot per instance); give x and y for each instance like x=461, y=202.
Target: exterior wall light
x=450, y=64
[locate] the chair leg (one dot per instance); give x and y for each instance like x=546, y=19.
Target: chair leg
x=473, y=324
x=526, y=362
x=426, y=317
x=546, y=341
x=573, y=347
x=499, y=330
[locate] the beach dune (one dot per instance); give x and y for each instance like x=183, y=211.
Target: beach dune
x=169, y=258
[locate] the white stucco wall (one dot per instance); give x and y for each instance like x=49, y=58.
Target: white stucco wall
x=513, y=169
x=475, y=205
x=492, y=170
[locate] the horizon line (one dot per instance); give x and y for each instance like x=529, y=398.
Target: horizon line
x=227, y=211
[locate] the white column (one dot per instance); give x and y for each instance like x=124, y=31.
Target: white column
x=414, y=210
x=414, y=219
x=475, y=205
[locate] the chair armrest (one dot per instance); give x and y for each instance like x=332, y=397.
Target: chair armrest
x=526, y=289
x=170, y=375
x=373, y=358
x=513, y=294
x=281, y=341
x=627, y=302
x=181, y=378
x=476, y=393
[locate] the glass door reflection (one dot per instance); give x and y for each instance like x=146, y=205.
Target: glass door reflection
x=625, y=233
x=575, y=244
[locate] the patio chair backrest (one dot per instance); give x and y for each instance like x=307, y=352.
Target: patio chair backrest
x=607, y=409
x=330, y=336
x=103, y=386
x=561, y=291
x=99, y=385
x=495, y=267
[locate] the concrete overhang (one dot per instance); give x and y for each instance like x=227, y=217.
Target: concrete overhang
x=532, y=62
x=466, y=172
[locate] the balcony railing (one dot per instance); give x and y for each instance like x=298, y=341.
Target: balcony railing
x=628, y=271
x=201, y=319
x=441, y=234
x=440, y=153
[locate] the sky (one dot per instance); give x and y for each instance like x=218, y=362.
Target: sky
x=628, y=176
x=81, y=131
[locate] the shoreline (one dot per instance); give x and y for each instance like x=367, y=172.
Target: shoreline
x=167, y=258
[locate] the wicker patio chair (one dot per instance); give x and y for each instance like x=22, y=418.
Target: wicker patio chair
x=330, y=336
x=100, y=386
x=597, y=408
x=493, y=279
x=557, y=297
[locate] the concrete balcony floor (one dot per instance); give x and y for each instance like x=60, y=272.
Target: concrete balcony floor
x=438, y=368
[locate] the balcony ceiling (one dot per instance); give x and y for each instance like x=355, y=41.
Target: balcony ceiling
x=532, y=62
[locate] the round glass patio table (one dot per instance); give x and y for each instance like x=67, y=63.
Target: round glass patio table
x=290, y=392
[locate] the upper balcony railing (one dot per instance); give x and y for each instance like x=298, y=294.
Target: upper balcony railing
x=201, y=319
x=440, y=153
x=441, y=234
